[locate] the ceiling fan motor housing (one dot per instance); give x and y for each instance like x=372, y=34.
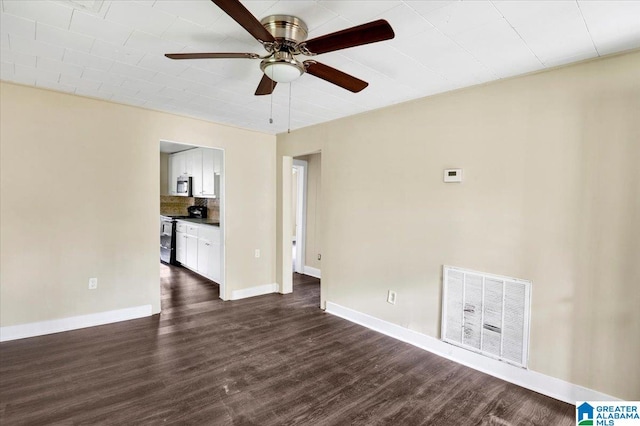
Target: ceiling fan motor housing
x=286, y=28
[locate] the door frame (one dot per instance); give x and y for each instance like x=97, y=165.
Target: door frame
x=223, y=245
x=301, y=214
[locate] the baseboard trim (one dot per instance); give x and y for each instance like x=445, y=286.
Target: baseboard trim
x=312, y=272
x=255, y=291
x=538, y=382
x=41, y=328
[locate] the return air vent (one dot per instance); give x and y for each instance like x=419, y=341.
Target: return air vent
x=488, y=314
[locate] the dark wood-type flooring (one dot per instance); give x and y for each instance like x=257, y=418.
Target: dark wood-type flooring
x=269, y=360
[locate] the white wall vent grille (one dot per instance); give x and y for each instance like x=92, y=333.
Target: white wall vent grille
x=488, y=314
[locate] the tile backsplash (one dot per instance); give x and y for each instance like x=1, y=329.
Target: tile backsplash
x=177, y=206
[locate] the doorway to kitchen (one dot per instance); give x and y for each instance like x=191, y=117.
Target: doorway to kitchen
x=192, y=212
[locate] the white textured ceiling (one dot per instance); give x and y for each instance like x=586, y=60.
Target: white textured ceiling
x=114, y=50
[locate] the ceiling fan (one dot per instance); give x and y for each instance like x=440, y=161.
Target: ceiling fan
x=284, y=37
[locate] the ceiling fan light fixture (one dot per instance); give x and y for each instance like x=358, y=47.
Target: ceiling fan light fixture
x=282, y=72
x=282, y=67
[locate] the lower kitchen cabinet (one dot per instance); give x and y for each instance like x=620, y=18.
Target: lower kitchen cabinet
x=198, y=248
x=192, y=246
x=205, y=257
x=192, y=252
x=181, y=247
x=209, y=252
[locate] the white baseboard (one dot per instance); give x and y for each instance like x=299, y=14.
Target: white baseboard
x=312, y=272
x=254, y=291
x=21, y=331
x=538, y=382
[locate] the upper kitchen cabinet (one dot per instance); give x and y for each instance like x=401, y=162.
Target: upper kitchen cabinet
x=194, y=167
x=211, y=170
x=203, y=165
x=177, y=168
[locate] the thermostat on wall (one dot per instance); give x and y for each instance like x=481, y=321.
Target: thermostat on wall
x=453, y=175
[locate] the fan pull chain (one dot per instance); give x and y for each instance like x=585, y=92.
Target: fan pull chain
x=271, y=99
x=289, y=125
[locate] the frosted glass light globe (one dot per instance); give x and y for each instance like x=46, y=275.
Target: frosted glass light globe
x=282, y=72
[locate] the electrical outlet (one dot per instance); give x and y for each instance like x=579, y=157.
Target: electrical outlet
x=257, y=253
x=93, y=283
x=391, y=297
x=319, y=256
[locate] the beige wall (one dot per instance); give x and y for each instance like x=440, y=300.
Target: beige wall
x=313, y=233
x=80, y=198
x=164, y=173
x=551, y=194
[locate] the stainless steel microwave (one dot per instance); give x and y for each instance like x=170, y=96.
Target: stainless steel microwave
x=184, y=186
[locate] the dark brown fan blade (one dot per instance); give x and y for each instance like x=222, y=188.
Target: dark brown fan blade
x=211, y=55
x=335, y=76
x=242, y=16
x=266, y=86
x=371, y=32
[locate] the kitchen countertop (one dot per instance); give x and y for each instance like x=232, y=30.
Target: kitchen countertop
x=212, y=222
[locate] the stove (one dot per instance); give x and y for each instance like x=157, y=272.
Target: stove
x=167, y=239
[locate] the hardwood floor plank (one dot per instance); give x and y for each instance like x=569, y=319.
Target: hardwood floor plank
x=268, y=360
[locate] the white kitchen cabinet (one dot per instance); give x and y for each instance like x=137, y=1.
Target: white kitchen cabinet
x=173, y=176
x=208, y=177
x=192, y=246
x=188, y=162
x=181, y=247
x=211, y=172
x=198, y=247
x=195, y=159
x=177, y=168
x=181, y=242
x=204, y=257
x=217, y=161
x=192, y=229
x=204, y=165
x=209, y=261
x=192, y=252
